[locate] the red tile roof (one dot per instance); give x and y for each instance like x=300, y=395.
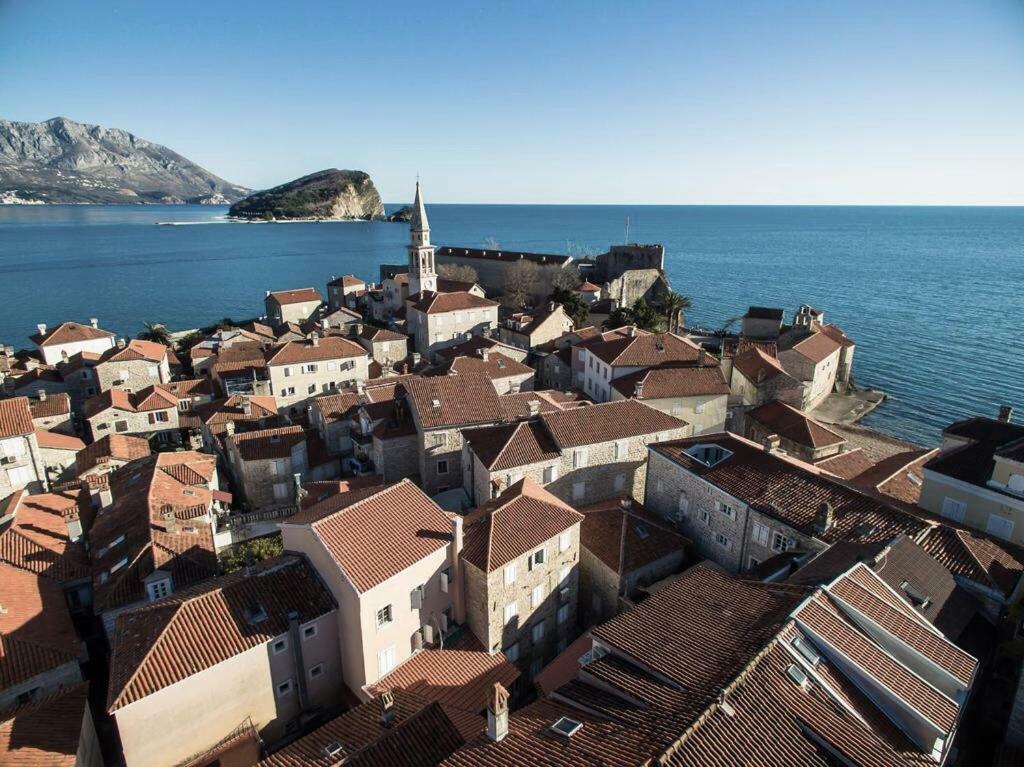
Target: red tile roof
x=756, y=366
x=971, y=555
x=606, y=422
x=519, y=520
x=70, y=333
x=45, y=732
x=156, y=646
x=646, y=350
x=298, y=296
x=52, y=440
x=111, y=447
x=308, y=350
x=16, y=417
x=666, y=382
x=817, y=347
x=53, y=405
x=378, y=335
x=439, y=303
x=508, y=446
x=836, y=335
x=627, y=539
x=135, y=349
x=794, y=425
x=36, y=539
x=144, y=400
x=495, y=367
x=846, y=465
x=374, y=534
x=267, y=444
x=454, y=400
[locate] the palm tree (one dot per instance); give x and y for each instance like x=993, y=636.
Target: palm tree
x=674, y=306
x=155, y=332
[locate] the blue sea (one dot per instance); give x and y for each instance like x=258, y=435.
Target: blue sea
x=934, y=297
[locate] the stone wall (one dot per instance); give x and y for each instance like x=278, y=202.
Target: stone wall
x=106, y=422
x=293, y=385
x=140, y=374
x=397, y=457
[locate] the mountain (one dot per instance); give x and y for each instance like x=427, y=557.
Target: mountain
x=62, y=161
x=326, y=194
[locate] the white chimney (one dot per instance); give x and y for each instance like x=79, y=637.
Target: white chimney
x=497, y=713
x=42, y=328
x=94, y=322
x=772, y=443
x=42, y=395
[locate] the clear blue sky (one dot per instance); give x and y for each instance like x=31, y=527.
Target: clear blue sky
x=894, y=101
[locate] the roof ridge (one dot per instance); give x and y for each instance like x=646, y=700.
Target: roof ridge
x=142, y=662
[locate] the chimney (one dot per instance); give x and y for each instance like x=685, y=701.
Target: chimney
x=246, y=406
x=42, y=395
x=534, y=406
x=229, y=428
x=825, y=518
x=387, y=708
x=195, y=439
x=300, y=493
x=638, y=390
x=167, y=513
x=415, y=359
x=702, y=357
x=484, y=354
x=631, y=331
x=42, y=328
x=551, y=306
x=455, y=568
x=94, y=322
x=266, y=294
x=772, y=443
x=121, y=343
x=360, y=386
x=74, y=525
x=1005, y=413
x=31, y=363
x=63, y=355
x=314, y=339
x=497, y=713
x=627, y=504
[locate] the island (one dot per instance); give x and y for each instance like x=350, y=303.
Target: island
x=327, y=195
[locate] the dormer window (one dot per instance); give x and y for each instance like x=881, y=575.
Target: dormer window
x=254, y=614
x=159, y=589
x=709, y=455
x=917, y=598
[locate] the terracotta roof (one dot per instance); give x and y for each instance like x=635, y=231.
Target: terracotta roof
x=756, y=366
x=69, y=333
x=791, y=491
x=377, y=335
x=607, y=422
x=150, y=398
x=495, y=367
x=764, y=313
x=134, y=350
x=794, y=425
x=899, y=476
x=191, y=387
x=36, y=634
x=36, y=539
x=327, y=348
x=646, y=350
x=319, y=490
x=672, y=381
x=472, y=346
x=516, y=522
x=836, y=335
x=243, y=356
x=975, y=557
x=16, y=417
x=45, y=732
x=347, y=281
x=266, y=444
x=156, y=646
x=421, y=735
x=339, y=406
x=52, y=440
x=374, y=534
x=439, y=303
x=973, y=461
x=816, y=347
x=503, y=255
x=508, y=446
x=298, y=296
x=143, y=491
x=459, y=675
x=514, y=407
x=110, y=447
x=588, y=287
x=846, y=465
x=454, y=400
x=221, y=411
x=627, y=539
x=53, y=405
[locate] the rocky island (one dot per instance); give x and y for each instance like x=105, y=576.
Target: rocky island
x=63, y=161
x=327, y=195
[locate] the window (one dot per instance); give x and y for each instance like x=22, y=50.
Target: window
x=698, y=406
x=620, y=481
x=563, y=574
x=280, y=645
x=118, y=565
x=760, y=534
x=512, y=652
x=277, y=467
x=444, y=579
x=440, y=439
x=752, y=563
x=726, y=509
x=332, y=366
x=564, y=540
x=581, y=355
x=1000, y=527
x=579, y=489
x=281, y=491
x=510, y=573
x=384, y=616
x=287, y=372
x=954, y=509
x=311, y=389
x=310, y=368
x=563, y=614
x=386, y=660
x=537, y=596
x=538, y=632
x=705, y=517
x=442, y=466
x=285, y=688
x=579, y=458
x=511, y=611
x=779, y=542
x=722, y=541
x=620, y=449
x=309, y=632
x=549, y=475
x=289, y=392
x=120, y=426
x=536, y=558
x=30, y=695
x=684, y=506
x=316, y=671
x=158, y=589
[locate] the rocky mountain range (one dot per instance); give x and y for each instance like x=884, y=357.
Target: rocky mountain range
x=62, y=161
x=325, y=195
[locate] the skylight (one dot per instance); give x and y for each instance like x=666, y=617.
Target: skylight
x=641, y=532
x=797, y=675
x=566, y=727
x=917, y=598
x=255, y=614
x=806, y=650
x=709, y=455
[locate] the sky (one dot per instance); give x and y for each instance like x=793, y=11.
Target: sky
x=684, y=102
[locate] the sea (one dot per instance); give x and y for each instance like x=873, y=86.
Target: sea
x=934, y=297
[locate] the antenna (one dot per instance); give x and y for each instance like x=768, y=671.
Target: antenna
x=626, y=241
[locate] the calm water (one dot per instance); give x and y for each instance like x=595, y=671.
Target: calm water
x=934, y=297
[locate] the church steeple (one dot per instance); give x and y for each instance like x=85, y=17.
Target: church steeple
x=422, y=276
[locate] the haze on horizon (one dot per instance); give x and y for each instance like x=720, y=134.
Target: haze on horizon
x=802, y=102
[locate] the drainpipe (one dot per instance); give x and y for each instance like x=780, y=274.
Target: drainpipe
x=300, y=667
x=455, y=565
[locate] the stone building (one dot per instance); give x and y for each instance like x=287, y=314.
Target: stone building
x=529, y=329
x=58, y=453
x=799, y=435
x=21, y=462
x=109, y=452
x=698, y=395
x=493, y=267
x=520, y=559
x=56, y=730
x=345, y=291
x=629, y=273
x=276, y=663
x=150, y=412
x=757, y=378
x=52, y=413
x=132, y=366
x=285, y=306
x=300, y=370
x=581, y=454
x=70, y=338
x=386, y=347
x=814, y=361
x=266, y=465
x=762, y=323
x=506, y=374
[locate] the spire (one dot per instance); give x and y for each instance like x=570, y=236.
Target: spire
x=419, y=212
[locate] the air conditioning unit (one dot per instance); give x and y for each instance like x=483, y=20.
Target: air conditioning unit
x=417, y=598
x=428, y=633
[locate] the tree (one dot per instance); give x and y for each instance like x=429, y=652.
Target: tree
x=567, y=278
x=674, y=306
x=458, y=273
x=156, y=333
x=574, y=306
x=491, y=243
x=251, y=552
x=641, y=314
x=521, y=282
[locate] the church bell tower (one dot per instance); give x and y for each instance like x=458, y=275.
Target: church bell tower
x=422, y=276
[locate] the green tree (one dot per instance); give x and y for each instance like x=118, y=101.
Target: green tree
x=641, y=314
x=156, y=333
x=251, y=552
x=574, y=306
x=674, y=306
